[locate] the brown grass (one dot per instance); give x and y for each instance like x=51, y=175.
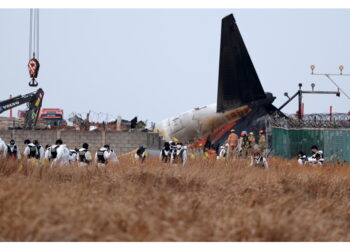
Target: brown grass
x=205, y=201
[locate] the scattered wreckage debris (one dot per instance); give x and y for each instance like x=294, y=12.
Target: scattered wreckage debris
x=91, y=122
x=119, y=124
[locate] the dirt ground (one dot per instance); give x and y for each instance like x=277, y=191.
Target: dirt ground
x=204, y=201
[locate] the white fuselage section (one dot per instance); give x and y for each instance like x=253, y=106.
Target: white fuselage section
x=193, y=125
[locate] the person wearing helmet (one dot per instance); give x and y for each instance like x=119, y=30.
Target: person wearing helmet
x=243, y=144
x=262, y=143
x=232, y=141
x=251, y=143
x=251, y=139
x=84, y=156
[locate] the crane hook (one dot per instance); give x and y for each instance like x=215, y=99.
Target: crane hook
x=33, y=67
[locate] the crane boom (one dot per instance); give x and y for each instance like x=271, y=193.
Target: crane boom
x=33, y=100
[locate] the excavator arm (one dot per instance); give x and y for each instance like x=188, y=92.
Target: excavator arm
x=34, y=101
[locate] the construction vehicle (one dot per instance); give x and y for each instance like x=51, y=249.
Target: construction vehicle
x=33, y=100
x=52, y=116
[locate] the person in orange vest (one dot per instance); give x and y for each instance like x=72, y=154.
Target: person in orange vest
x=232, y=141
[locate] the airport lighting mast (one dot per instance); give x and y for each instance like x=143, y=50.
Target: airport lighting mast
x=341, y=68
x=300, y=92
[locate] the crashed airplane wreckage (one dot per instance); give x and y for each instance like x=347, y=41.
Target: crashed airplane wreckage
x=242, y=103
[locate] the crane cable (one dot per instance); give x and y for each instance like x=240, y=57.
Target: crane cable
x=34, y=34
x=33, y=64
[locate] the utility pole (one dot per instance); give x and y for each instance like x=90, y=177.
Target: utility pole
x=330, y=113
x=300, y=100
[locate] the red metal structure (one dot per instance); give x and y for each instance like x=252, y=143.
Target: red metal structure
x=52, y=116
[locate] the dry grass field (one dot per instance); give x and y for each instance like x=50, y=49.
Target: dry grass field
x=204, y=201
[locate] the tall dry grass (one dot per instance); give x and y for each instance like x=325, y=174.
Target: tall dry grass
x=204, y=201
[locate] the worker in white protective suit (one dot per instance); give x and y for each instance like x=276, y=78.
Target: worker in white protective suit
x=302, y=158
x=30, y=150
x=84, y=156
x=165, y=153
x=62, y=157
x=223, y=152
x=140, y=154
x=3, y=149
x=105, y=156
x=317, y=156
x=12, y=151
x=113, y=158
x=179, y=155
x=50, y=152
x=40, y=150
x=73, y=153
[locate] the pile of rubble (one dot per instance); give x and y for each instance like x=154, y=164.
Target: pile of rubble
x=7, y=123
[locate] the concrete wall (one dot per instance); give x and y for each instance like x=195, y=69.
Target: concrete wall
x=123, y=142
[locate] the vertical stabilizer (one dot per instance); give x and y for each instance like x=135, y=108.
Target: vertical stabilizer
x=239, y=83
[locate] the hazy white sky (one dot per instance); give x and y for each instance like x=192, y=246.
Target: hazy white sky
x=158, y=63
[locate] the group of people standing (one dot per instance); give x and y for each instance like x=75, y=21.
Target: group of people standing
x=173, y=153
x=245, y=146
x=58, y=154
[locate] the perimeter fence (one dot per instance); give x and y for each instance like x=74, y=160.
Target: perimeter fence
x=331, y=133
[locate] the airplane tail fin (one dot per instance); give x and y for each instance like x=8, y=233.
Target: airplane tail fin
x=239, y=83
